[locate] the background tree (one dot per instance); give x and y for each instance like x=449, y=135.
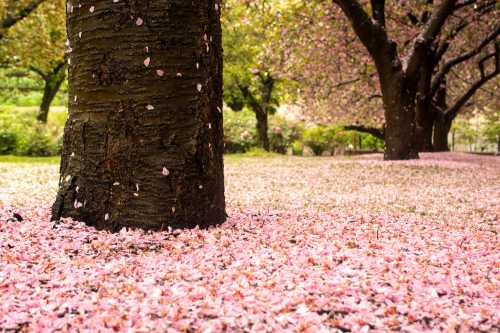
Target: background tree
x=387, y=40
x=143, y=143
x=37, y=45
x=13, y=11
x=253, y=60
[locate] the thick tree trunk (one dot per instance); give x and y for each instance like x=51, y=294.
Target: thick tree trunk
x=143, y=143
x=442, y=122
x=50, y=90
x=425, y=113
x=442, y=128
x=262, y=129
x=424, y=141
x=399, y=110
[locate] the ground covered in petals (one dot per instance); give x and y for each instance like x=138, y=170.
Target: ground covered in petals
x=311, y=245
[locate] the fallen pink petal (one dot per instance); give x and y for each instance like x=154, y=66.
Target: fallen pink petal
x=323, y=245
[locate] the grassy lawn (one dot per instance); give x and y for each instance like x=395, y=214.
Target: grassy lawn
x=29, y=160
x=56, y=159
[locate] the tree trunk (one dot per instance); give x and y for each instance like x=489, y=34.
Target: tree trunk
x=425, y=113
x=426, y=126
x=52, y=85
x=442, y=122
x=498, y=145
x=143, y=143
x=442, y=127
x=399, y=110
x=262, y=129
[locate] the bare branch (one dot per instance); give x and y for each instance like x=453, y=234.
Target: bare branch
x=428, y=35
x=455, y=109
x=373, y=36
x=462, y=58
x=376, y=132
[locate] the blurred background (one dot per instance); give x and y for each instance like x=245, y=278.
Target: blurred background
x=291, y=86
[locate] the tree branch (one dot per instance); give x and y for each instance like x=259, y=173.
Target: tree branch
x=378, y=12
x=11, y=19
x=462, y=58
x=373, y=36
x=428, y=35
x=454, y=110
x=376, y=132
x=38, y=71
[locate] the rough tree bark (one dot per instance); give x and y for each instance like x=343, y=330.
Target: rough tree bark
x=399, y=110
x=143, y=143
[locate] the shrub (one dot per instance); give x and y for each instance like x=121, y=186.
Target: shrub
x=297, y=148
x=8, y=141
x=37, y=141
x=319, y=139
x=20, y=134
x=283, y=133
x=370, y=142
x=259, y=152
x=239, y=131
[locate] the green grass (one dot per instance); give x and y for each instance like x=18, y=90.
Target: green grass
x=29, y=160
x=57, y=159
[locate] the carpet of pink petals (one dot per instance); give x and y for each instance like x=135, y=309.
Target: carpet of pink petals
x=311, y=245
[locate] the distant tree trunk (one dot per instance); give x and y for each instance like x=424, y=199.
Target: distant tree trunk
x=53, y=83
x=498, y=144
x=263, y=117
x=442, y=121
x=442, y=128
x=263, y=129
x=143, y=143
x=425, y=112
x=261, y=107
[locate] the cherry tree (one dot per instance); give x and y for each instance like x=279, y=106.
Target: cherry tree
x=406, y=45
x=253, y=69
x=144, y=141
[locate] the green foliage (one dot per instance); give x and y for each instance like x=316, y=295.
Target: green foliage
x=20, y=134
x=259, y=152
x=8, y=141
x=319, y=139
x=37, y=41
x=464, y=131
x=370, y=142
x=239, y=131
x=283, y=133
x=240, y=134
x=38, y=141
x=29, y=159
x=491, y=128
x=297, y=148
